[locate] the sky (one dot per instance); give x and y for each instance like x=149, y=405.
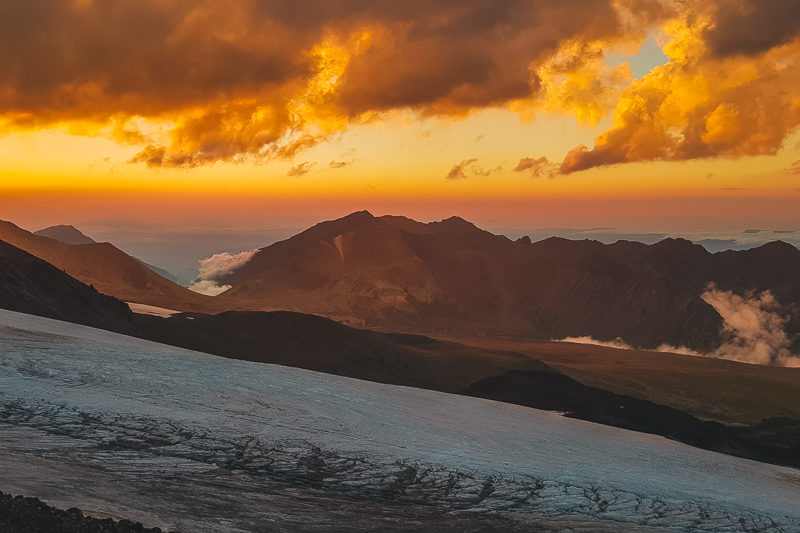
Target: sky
x=237, y=118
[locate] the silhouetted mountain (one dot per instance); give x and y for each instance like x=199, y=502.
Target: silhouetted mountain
x=451, y=275
x=110, y=270
x=65, y=234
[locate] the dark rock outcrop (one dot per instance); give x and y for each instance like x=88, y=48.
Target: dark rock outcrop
x=29, y=515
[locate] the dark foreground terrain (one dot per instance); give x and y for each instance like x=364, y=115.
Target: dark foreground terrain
x=29, y=515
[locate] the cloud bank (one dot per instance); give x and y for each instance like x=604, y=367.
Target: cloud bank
x=193, y=82
x=728, y=90
x=216, y=266
x=754, y=328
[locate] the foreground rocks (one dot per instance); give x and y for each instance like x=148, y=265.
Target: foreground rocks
x=29, y=515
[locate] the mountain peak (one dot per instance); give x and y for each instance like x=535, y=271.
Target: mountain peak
x=65, y=233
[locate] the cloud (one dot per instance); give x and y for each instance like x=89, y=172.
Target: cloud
x=466, y=169
x=701, y=104
x=753, y=331
x=795, y=168
x=575, y=80
x=215, y=267
x=193, y=82
x=750, y=27
x=617, y=343
x=539, y=167
x=754, y=328
x=301, y=169
x=348, y=158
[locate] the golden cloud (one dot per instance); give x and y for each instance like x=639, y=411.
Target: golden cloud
x=701, y=103
x=198, y=81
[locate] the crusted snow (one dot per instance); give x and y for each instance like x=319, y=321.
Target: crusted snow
x=79, y=404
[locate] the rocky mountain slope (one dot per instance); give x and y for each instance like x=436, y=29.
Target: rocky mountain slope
x=452, y=276
x=108, y=269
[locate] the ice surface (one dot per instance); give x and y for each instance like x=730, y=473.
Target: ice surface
x=91, y=418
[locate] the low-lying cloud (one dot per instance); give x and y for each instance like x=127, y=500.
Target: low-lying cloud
x=215, y=267
x=753, y=329
x=616, y=343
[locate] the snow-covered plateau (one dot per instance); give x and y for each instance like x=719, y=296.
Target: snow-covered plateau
x=126, y=428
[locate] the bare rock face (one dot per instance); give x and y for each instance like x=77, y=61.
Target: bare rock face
x=452, y=276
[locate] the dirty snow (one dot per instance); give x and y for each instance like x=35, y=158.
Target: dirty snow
x=128, y=428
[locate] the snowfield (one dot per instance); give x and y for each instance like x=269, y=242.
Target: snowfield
x=132, y=429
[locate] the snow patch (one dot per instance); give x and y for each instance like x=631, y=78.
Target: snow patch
x=143, y=309
x=616, y=343
x=158, y=413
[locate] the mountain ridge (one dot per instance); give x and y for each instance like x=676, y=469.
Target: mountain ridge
x=107, y=268
x=451, y=276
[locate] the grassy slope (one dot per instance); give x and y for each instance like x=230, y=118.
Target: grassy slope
x=710, y=389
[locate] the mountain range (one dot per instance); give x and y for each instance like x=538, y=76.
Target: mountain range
x=451, y=276
x=30, y=285
x=396, y=274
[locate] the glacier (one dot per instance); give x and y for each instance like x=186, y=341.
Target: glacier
x=126, y=428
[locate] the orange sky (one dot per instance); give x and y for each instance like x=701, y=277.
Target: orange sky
x=524, y=113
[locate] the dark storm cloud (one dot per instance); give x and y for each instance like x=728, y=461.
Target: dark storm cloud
x=235, y=77
x=750, y=27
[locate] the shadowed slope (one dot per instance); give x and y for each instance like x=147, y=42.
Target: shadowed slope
x=108, y=269
x=705, y=387
x=30, y=285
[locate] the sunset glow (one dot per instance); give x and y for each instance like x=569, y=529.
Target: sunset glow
x=625, y=112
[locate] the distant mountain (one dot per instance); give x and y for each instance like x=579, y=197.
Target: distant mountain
x=452, y=276
x=65, y=234
x=110, y=270
x=160, y=271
